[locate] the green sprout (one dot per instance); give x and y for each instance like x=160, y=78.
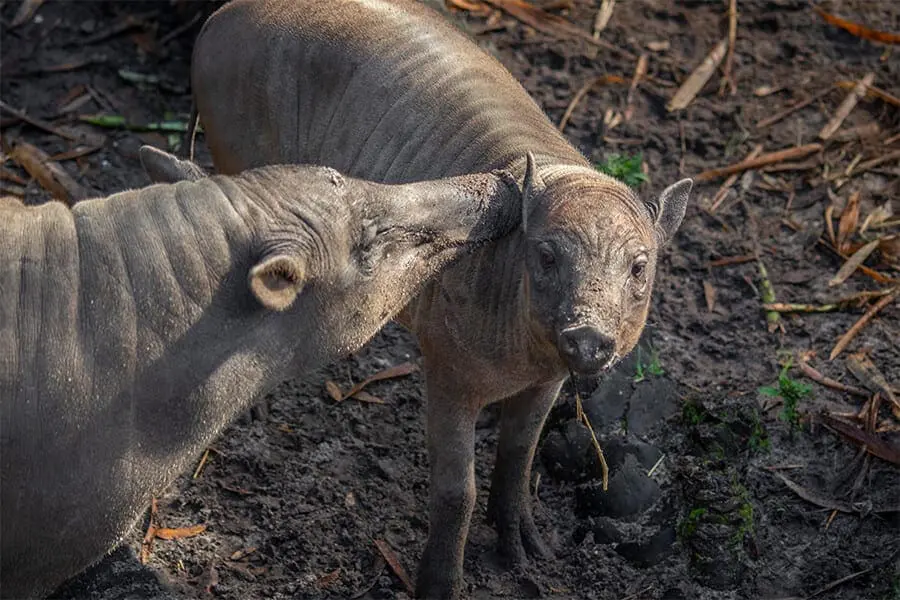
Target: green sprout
x=627, y=169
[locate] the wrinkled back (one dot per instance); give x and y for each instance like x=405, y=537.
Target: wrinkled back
x=387, y=91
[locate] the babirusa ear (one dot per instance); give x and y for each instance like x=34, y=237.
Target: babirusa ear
x=276, y=281
x=162, y=167
x=667, y=211
x=532, y=186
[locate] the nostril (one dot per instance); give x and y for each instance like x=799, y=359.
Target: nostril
x=605, y=345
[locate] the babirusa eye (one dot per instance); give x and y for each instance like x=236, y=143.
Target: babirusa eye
x=548, y=258
x=639, y=267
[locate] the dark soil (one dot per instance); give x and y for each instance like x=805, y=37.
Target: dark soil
x=294, y=498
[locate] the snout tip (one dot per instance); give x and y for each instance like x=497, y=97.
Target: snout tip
x=586, y=350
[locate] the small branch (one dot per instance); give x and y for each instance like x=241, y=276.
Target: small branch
x=862, y=322
x=761, y=161
x=847, y=106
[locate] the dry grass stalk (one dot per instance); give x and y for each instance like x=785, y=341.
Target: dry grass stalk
x=581, y=416
x=639, y=71
x=601, y=20
x=862, y=322
x=603, y=79
x=792, y=109
x=696, y=80
x=727, y=78
x=847, y=106
x=872, y=91
x=720, y=196
x=875, y=162
x=848, y=268
x=761, y=161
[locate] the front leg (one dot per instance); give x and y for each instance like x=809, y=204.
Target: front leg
x=509, y=504
x=451, y=452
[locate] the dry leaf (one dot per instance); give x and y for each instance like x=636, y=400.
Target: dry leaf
x=889, y=246
x=334, y=390
x=364, y=396
x=166, y=533
x=395, y=565
x=853, y=263
x=50, y=175
x=710, y=293
x=857, y=29
x=848, y=221
x=695, y=82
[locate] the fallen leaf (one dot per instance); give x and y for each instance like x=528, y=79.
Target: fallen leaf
x=395, y=565
x=334, y=390
x=857, y=29
x=853, y=263
x=848, y=221
x=167, y=533
x=364, y=396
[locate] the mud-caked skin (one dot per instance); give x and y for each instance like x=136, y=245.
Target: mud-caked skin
x=390, y=91
x=134, y=328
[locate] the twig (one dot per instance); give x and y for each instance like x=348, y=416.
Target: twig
x=42, y=124
x=847, y=106
x=761, y=161
x=202, y=463
x=180, y=29
x=732, y=179
x=816, y=376
x=554, y=25
x=838, y=582
x=582, y=416
x=732, y=260
x=639, y=71
x=582, y=92
x=872, y=91
x=727, y=79
x=129, y=22
x=790, y=307
x=655, y=466
x=601, y=20
x=862, y=322
x=792, y=109
x=698, y=78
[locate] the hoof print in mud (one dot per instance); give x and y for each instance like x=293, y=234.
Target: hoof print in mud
x=630, y=492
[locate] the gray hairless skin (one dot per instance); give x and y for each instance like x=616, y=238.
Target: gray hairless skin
x=134, y=328
x=392, y=92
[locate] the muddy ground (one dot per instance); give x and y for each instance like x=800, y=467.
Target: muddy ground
x=293, y=499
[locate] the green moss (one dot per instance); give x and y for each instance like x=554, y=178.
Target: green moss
x=688, y=525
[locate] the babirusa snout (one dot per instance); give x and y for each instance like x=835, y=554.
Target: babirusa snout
x=586, y=350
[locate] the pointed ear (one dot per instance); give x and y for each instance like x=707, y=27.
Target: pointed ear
x=162, y=167
x=277, y=280
x=667, y=211
x=532, y=187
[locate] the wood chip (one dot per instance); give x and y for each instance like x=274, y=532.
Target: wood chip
x=846, y=106
x=709, y=292
x=50, y=175
x=761, y=161
x=862, y=322
x=848, y=268
x=394, y=563
x=695, y=82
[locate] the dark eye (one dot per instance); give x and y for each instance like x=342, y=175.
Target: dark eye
x=548, y=258
x=639, y=267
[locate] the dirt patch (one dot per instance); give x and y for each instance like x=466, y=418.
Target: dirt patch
x=294, y=499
